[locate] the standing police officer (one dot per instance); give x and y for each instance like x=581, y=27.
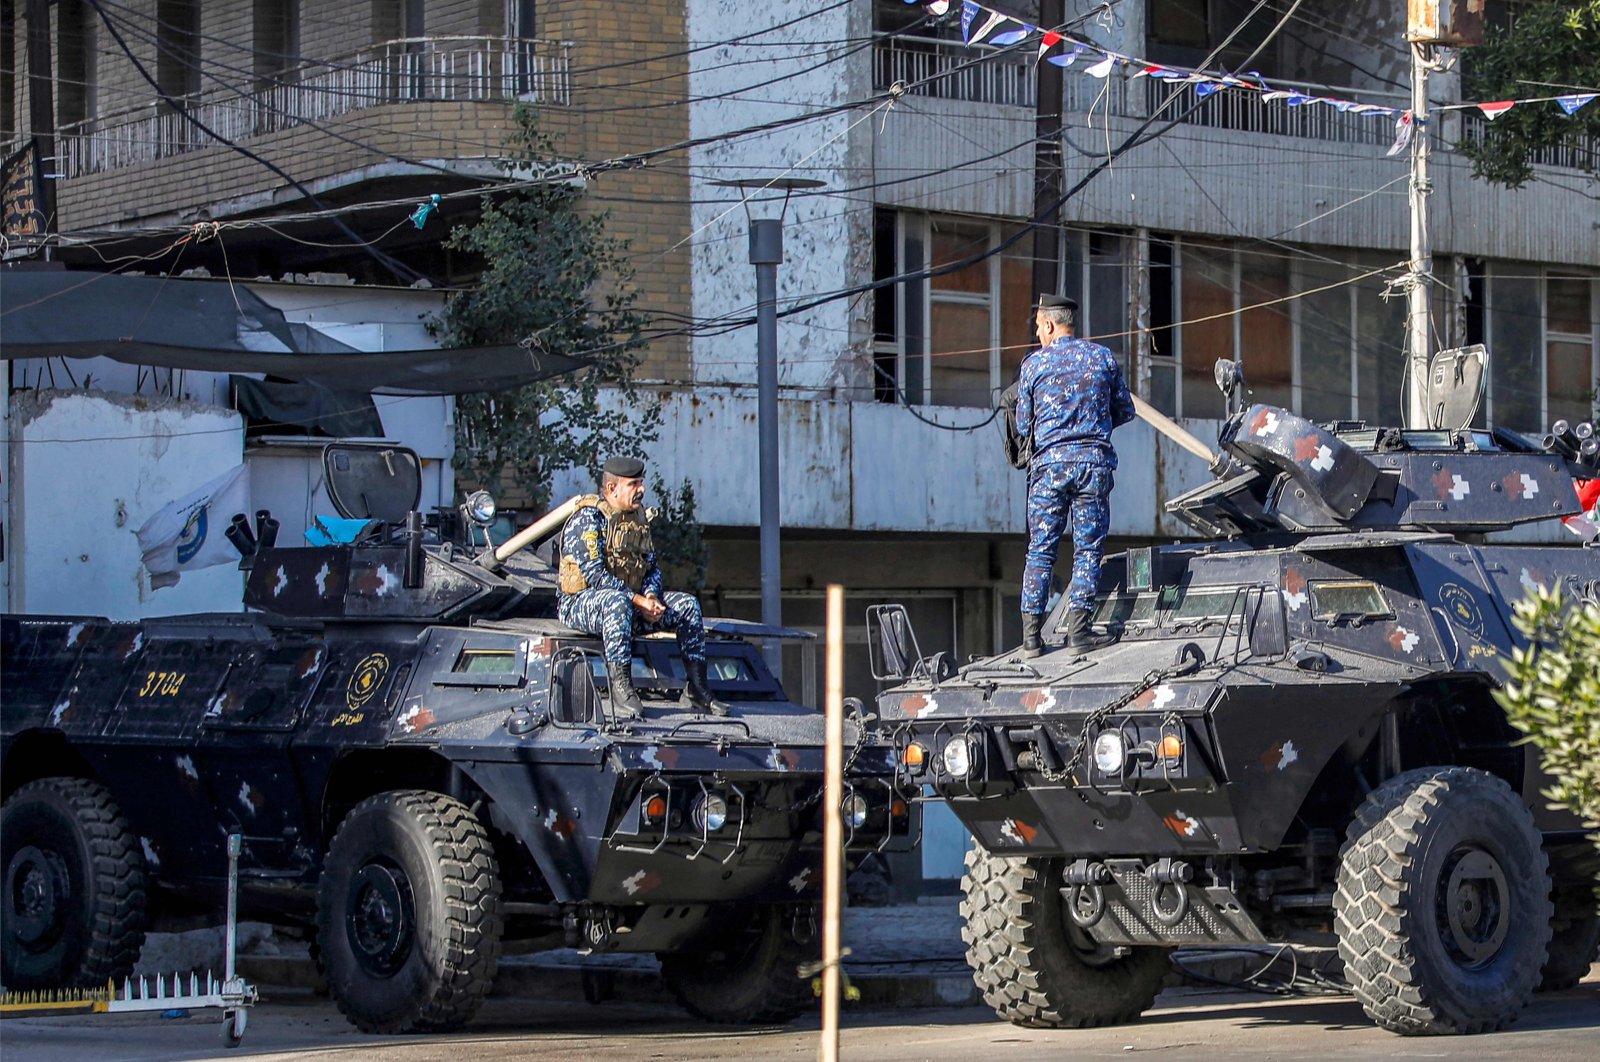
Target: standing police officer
x=611, y=586
x=1070, y=395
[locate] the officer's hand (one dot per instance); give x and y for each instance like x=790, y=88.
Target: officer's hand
x=650, y=608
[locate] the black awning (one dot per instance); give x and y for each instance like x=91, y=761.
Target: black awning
x=214, y=326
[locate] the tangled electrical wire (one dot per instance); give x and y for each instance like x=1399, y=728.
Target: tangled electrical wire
x=1317, y=972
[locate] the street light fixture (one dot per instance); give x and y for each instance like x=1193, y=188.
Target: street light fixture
x=766, y=251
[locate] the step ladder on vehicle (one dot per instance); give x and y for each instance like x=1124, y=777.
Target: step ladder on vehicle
x=231, y=994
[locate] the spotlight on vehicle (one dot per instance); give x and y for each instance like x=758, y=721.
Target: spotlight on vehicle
x=1110, y=751
x=480, y=508
x=957, y=758
x=854, y=811
x=710, y=812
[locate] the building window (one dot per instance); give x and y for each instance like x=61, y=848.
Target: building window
x=1540, y=327
x=1306, y=337
x=1571, y=350
x=277, y=36
x=954, y=338
x=396, y=19
x=519, y=19
x=178, y=47
x=75, y=62
x=1184, y=32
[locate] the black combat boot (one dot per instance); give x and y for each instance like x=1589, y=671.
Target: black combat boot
x=1080, y=639
x=1032, y=643
x=700, y=693
x=624, y=699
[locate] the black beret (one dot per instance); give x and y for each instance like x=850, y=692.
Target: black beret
x=1056, y=302
x=624, y=467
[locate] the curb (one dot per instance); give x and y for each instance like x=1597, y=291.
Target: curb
x=564, y=976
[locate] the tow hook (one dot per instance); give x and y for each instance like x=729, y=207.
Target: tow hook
x=1085, y=893
x=1169, y=899
x=599, y=931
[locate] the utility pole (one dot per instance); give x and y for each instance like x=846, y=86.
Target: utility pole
x=766, y=251
x=1431, y=25
x=1048, y=179
x=42, y=110
x=766, y=254
x=1419, y=278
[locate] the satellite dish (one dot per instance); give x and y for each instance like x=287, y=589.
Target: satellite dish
x=1455, y=386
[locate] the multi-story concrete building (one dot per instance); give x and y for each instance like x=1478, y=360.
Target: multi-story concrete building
x=1247, y=229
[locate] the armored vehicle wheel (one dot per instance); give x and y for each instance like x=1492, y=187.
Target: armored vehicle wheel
x=749, y=974
x=408, y=913
x=1574, y=936
x=1033, y=966
x=1443, y=907
x=74, y=905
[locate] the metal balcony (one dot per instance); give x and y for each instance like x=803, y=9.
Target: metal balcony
x=414, y=70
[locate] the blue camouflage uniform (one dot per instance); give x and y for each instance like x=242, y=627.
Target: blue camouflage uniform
x=1070, y=394
x=605, y=606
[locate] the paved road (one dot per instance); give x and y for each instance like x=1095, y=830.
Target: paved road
x=1199, y=1025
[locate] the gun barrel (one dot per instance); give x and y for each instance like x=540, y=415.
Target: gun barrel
x=536, y=530
x=1172, y=430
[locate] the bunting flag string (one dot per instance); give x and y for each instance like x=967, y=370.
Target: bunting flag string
x=985, y=25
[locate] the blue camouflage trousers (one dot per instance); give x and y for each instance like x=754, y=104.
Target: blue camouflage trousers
x=610, y=615
x=1078, y=492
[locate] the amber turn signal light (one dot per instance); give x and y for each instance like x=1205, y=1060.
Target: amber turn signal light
x=899, y=808
x=1171, y=747
x=655, y=807
x=913, y=755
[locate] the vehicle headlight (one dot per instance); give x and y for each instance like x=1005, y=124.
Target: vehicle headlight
x=481, y=507
x=1109, y=752
x=957, y=758
x=854, y=810
x=710, y=812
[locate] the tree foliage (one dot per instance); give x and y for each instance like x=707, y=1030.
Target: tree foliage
x=554, y=279
x=1553, y=694
x=1552, y=49
x=681, y=550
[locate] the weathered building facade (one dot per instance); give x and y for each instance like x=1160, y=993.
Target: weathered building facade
x=1245, y=229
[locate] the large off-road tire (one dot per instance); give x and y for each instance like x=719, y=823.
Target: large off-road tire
x=1033, y=966
x=748, y=973
x=74, y=910
x=1443, y=903
x=408, y=914
x=1574, y=935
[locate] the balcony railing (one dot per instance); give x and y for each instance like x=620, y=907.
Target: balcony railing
x=952, y=70
x=1245, y=111
x=1575, y=152
x=1008, y=78
x=418, y=70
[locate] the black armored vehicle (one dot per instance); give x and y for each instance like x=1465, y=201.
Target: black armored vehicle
x=423, y=764
x=1293, y=738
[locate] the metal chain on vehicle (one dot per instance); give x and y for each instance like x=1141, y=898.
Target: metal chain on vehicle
x=1093, y=720
x=805, y=802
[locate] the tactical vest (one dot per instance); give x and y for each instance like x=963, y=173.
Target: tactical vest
x=627, y=547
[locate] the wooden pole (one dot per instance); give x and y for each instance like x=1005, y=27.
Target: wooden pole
x=832, y=828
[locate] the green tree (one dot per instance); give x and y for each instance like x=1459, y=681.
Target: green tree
x=681, y=550
x=555, y=280
x=1552, y=48
x=1552, y=694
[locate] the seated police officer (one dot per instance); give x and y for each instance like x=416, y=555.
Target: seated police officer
x=611, y=587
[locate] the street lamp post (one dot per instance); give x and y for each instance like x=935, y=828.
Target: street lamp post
x=766, y=252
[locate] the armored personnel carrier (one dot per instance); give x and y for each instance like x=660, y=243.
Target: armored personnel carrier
x=424, y=766
x=1293, y=738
